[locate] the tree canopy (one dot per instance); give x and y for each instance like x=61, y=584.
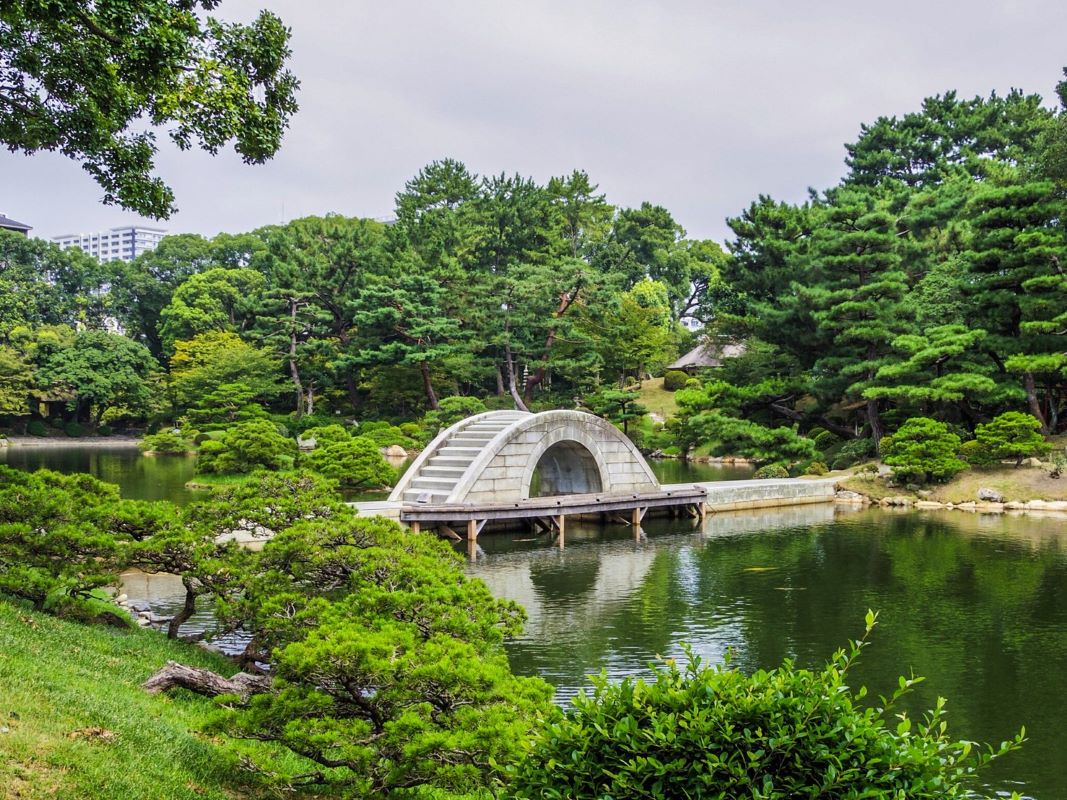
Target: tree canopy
x=82, y=79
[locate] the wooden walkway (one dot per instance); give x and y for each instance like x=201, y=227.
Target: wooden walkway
x=548, y=514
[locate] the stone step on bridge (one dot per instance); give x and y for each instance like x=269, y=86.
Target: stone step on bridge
x=513, y=466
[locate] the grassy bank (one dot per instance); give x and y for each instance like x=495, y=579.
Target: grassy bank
x=1022, y=484
x=657, y=399
x=75, y=724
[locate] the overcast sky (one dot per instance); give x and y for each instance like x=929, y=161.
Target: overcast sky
x=697, y=106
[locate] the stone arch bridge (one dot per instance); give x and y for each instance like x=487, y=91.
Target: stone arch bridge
x=495, y=457
x=515, y=465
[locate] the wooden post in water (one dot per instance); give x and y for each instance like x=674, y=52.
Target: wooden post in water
x=472, y=539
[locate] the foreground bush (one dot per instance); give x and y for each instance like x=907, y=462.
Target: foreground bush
x=713, y=732
x=922, y=450
x=771, y=471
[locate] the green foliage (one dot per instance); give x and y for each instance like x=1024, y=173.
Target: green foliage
x=36, y=427
x=739, y=437
x=165, y=442
x=451, y=410
x=852, y=451
x=780, y=733
x=1012, y=435
x=55, y=544
x=104, y=430
x=771, y=471
x=86, y=82
x=16, y=381
x=385, y=435
x=353, y=462
x=824, y=440
x=617, y=406
x=388, y=663
x=101, y=370
x=816, y=468
x=216, y=376
x=976, y=454
x=245, y=447
x=675, y=379
x=325, y=435
x=922, y=450
x=74, y=429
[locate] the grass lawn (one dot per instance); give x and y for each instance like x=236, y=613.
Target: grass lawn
x=1022, y=484
x=75, y=724
x=657, y=399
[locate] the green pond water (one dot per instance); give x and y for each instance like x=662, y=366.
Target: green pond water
x=975, y=603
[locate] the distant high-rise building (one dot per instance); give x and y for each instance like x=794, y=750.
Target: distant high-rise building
x=117, y=244
x=8, y=224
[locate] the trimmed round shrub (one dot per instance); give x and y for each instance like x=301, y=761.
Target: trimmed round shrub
x=674, y=379
x=922, y=450
x=165, y=442
x=74, y=429
x=354, y=463
x=816, y=468
x=771, y=471
x=246, y=447
x=325, y=435
x=104, y=430
x=36, y=427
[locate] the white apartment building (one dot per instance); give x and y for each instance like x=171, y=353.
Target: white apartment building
x=117, y=244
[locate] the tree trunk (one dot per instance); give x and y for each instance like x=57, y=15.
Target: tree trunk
x=874, y=419
x=427, y=385
x=1031, y=401
x=512, y=388
x=310, y=409
x=499, y=381
x=188, y=609
x=293, y=371
x=205, y=682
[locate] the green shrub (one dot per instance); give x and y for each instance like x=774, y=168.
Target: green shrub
x=327, y=434
x=104, y=430
x=1012, y=435
x=355, y=463
x=207, y=454
x=976, y=454
x=674, y=379
x=75, y=430
x=451, y=410
x=824, y=440
x=699, y=731
x=387, y=436
x=816, y=468
x=36, y=427
x=922, y=450
x=167, y=442
x=771, y=471
x=853, y=451
x=246, y=447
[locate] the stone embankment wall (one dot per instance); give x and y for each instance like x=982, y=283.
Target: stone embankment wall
x=734, y=495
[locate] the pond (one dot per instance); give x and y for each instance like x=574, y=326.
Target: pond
x=977, y=604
